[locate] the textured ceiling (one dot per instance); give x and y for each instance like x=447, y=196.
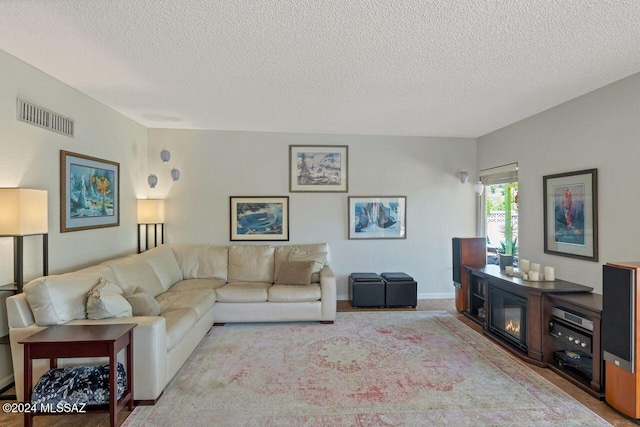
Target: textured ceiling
x=386, y=67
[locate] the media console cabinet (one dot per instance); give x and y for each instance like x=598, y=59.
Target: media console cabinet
x=534, y=320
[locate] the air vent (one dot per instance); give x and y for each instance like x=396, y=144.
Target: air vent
x=41, y=117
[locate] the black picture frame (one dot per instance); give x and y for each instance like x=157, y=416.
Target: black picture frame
x=259, y=218
x=570, y=203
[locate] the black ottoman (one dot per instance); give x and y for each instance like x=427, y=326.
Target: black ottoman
x=366, y=290
x=400, y=290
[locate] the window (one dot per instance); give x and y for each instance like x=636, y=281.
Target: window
x=499, y=211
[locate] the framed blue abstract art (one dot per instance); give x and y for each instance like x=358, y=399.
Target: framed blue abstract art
x=378, y=217
x=259, y=218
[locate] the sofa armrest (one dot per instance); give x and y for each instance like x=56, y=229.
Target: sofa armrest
x=328, y=297
x=149, y=354
x=19, y=313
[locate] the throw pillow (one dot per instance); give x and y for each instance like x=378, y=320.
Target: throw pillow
x=295, y=273
x=105, y=300
x=143, y=303
x=317, y=257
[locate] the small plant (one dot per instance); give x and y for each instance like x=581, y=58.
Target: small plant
x=513, y=250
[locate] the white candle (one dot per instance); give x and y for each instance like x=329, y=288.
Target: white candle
x=534, y=275
x=535, y=267
x=509, y=270
x=549, y=273
x=524, y=265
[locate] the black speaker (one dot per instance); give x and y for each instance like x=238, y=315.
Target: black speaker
x=618, y=316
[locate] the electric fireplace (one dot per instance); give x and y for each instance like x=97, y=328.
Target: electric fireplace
x=508, y=317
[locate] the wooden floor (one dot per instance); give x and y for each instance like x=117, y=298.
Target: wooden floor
x=86, y=420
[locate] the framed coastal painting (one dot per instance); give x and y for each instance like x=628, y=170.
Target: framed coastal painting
x=571, y=214
x=378, y=217
x=259, y=218
x=89, y=192
x=318, y=168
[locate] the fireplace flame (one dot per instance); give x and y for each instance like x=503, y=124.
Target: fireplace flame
x=513, y=327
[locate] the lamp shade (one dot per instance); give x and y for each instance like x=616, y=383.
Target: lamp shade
x=23, y=212
x=478, y=188
x=150, y=211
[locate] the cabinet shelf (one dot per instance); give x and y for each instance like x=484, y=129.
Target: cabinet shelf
x=479, y=296
x=9, y=287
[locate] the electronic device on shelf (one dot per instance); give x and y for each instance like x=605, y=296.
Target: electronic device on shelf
x=574, y=318
x=576, y=339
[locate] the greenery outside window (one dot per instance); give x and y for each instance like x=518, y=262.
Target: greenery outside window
x=500, y=211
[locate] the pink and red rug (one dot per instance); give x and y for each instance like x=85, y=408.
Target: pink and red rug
x=368, y=369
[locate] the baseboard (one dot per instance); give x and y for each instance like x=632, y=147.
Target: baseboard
x=443, y=295
x=6, y=381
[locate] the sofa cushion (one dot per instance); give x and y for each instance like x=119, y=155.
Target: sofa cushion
x=200, y=300
x=295, y=273
x=134, y=271
x=202, y=262
x=185, y=285
x=143, y=303
x=61, y=298
x=283, y=252
x=178, y=324
x=164, y=264
x=106, y=301
x=243, y=292
x=294, y=293
x=251, y=263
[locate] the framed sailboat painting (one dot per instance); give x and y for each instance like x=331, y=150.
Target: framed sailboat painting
x=318, y=168
x=259, y=218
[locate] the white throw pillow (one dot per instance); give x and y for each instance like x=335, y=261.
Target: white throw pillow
x=317, y=257
x=105, y=300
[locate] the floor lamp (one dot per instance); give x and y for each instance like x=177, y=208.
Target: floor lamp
x=23, y=212
x=150, y=213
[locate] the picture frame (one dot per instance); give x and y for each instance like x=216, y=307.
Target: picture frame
x=571, y=214
x=377, y=217
x=259, y=218
x=318, y=168
x=89, y=192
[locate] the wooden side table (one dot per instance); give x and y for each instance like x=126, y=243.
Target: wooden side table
x=59, y=342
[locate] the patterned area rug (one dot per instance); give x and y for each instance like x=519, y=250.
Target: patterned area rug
x=368, y=369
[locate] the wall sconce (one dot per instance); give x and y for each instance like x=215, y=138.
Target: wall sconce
x=478, y=188
x=152, y=180
x=150, y=213
x=24, y=212
x=464, y=177
x=165, y=155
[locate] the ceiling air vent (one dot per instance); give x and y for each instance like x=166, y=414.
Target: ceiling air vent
x=38, y=116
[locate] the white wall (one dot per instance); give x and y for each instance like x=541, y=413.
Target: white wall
x=218, y=164
x=30, y=158
x=598, y=130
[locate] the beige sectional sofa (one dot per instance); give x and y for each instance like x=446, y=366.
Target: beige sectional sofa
x=195, y=286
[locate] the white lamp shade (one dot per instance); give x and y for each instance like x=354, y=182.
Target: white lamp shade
x=150, y=211
x=23, y=212
x=478, y=188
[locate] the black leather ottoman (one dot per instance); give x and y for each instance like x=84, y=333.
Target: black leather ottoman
x=366, y=290
x=400, y=290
